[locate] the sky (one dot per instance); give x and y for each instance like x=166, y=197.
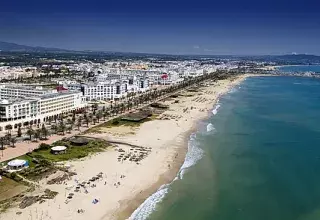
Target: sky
x=200, y=27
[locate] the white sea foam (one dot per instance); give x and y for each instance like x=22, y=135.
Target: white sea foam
x=215, y=110
x=233, y=90
x=210, y=127
x=148, y=206
x=193, y=155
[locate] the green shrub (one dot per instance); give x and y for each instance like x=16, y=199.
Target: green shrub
x=44, y=146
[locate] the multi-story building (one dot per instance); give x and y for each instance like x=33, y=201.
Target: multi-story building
x=9, y=91
x=104, y=90
x=18, y=106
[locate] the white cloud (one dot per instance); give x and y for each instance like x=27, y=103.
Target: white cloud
x=207, y=50
x=196, y=47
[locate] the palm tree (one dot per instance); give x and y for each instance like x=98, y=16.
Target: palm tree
x=86, y=120
x=104, y=115
x=69, y=128
x=19, y=133
x=74, y=117
x=54, y=128
x=98, y=116
x=44, y=131
x=13, y=141
x=9, y=128
x=62, y=127
x=69, y=121
x=30, y=132
x=2, y=143
x=36, y=134
x=79, y=123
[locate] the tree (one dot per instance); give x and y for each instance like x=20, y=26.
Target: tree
x=69, y=121
x=9, y=128
x=2, y=143
x=62, y=127
x=19, y=133
x=98, y=116
x=44, y=131
x=86, y=120
x=79, y=123
x=13, y=141
x=74, y=117
x=69, y=128
x=54, y=128
x=37, y=134
x=104, y=115
x=30, y=132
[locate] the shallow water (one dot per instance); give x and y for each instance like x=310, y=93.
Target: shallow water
x=262, y=161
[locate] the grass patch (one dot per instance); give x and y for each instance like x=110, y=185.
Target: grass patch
x=8, y=189
x=7, y=184
x=117, y=122
x=73, y=152
x=42, y=161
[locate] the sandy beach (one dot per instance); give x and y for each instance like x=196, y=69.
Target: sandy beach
x=126, y=184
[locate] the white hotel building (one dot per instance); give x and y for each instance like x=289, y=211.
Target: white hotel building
x=109, y=86
x=104, y=90
x=21, y=105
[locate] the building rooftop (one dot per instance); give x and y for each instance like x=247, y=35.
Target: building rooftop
x=52, y=95
x=15, y=101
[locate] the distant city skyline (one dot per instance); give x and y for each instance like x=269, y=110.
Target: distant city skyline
x=166, y=27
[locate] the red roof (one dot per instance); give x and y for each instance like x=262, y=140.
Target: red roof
x=61, y=88
x=164, y=76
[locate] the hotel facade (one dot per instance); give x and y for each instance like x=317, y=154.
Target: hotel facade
x=21, y=105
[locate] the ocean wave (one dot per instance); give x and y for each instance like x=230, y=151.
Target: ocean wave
x=233, y=90
x=193, y=155
x=215, y=110
x=148, y=206
x=210, y=127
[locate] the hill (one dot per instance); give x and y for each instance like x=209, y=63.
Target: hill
x=12, y=47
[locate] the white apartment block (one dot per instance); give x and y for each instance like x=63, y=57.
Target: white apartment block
x=104, y=90
x=34, y=106
x=109, y=86
x=9, y=91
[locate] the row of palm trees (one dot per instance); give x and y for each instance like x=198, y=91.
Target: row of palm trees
x=94, y=115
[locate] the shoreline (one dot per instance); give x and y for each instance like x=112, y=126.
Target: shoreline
x=129, y=209
x=168, y=139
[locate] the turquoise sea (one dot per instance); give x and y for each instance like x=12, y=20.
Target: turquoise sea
x=257, y=157
x=305, y=68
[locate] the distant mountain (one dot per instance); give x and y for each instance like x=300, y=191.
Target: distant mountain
x=12, y=47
